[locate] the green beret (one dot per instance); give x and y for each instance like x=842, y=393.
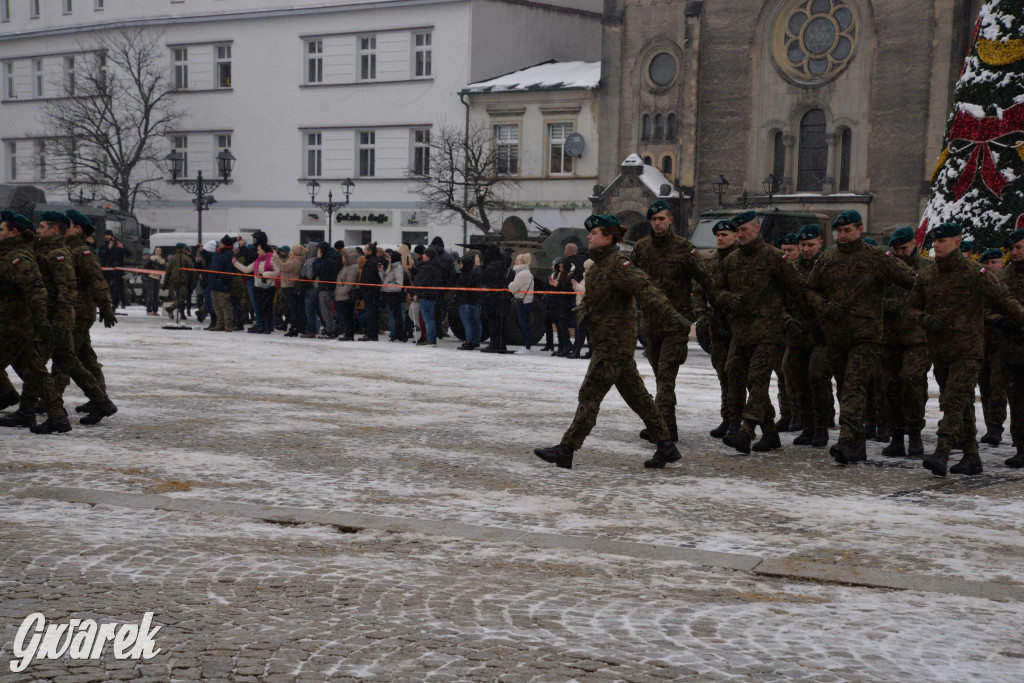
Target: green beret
x=23, y=222
x=789, y=239
x=723, y=226
x=658, y=206
x=809, y=232
x=743, y=218
x=945, y=230
x=870, y=240
x=284, y=248
x=1013, y=238
x=180, y=245
x=79, y=218
x=848, y=217
x=55, y=216
x=967, y=246
x=901, y=236
x=6, y=216
x=992, y=253
x=601, y=220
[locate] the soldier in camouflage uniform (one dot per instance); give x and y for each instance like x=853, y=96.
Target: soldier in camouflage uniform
x=717, y=319
x=806, y=360
x=24, y=327
x=951, y=312
x=905, y=359
x=178, y=280
x=613, y=286
x=751, y=284
x=673, y=264
x=991, y=380
x=845, y=287
x=92, y=292
x=1012, y=276
x=789, y=412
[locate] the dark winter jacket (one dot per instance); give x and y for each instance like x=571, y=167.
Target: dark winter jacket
x=492, y=273
x=430, y=274
x=327, y=267
x=222, y=279
x=469, y=278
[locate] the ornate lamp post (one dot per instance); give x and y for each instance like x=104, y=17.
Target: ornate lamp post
x=770, y=187
x=330, y=206
x=721, y=185
x=199, y=188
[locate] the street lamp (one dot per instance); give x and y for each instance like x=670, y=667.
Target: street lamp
x=200, y=188
x=769, y=187
x=721, y=185
x=330, y=206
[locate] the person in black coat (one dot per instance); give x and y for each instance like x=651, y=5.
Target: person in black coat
x=493, y=276
x=468, y=303
x=112, y=254
x=431, y=273
x=326, y=269
x=370, y=288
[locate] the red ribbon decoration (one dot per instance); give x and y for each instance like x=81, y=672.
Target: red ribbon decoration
x=981, y=132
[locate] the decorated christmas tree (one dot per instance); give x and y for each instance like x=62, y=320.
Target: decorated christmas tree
x=979, y=178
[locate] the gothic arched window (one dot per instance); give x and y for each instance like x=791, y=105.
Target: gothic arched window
x=813, y=157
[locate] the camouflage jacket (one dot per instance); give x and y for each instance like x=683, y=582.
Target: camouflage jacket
x=751, y=284
x=846, y=288
x=58, y=271
x=175, y=277
x=613, y=286
x=899, y=329
x=955, y=297
x=92, y=288
x=674, y=265
x=811, y=330
x=719, y=320
x=22, y=294
x=1012, y=276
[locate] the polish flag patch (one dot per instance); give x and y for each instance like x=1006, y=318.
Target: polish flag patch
x=16, y=261
x=60, y=259
x=86, y=253
x=626, y=264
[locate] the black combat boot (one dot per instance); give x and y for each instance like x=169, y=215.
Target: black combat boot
x=991, y=438
x=102, y=409
x=970, y=465
x=869, y=430
x=895, y=448
x=820, y=438
x=9, y=398
x=1017, y=461
x=19, y=418
x=666, y=453
x=86, y=407
x=915, y=449
x=560, y=455
x=673, y=433
x=52, y=425
x=769, y=441
x=858, y=453
x=882, y=434
x=782, y=424
x=936, y=462
x=842, y=450
x=805, y=438
x=719, y=431
x=738, y=438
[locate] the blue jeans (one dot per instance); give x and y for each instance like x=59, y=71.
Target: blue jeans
x=427, y=307
x=470, y=315
x=250, y=287
x=312, y=314
x=523, y=311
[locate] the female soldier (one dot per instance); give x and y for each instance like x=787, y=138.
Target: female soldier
x=613, y=284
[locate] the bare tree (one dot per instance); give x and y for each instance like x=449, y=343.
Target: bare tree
x=108, y=134
x=467, y=177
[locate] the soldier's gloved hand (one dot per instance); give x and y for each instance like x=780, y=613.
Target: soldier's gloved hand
x=109, y=319
x=835, y=311
x=794, y=327
x=935, y=323
x=1009, y=325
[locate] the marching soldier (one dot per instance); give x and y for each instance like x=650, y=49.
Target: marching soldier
x=1012, y=277
x=613, y=286
x=715, y=320
x=24, y=326
x=951, y=313
x=179, y=281
x=991, y=380
x=673, y=264
x=905, y=359
x=845, y=287
x=750, y=284
x=789, y=412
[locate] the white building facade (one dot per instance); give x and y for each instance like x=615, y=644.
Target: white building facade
x=296, y=91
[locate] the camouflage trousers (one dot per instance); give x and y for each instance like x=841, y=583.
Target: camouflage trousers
x=180, y=298
x=992, y=383
x=905, y=372
x=222, y=309
x=875, y=411
x=603, y=373
x=853, y=367
x=666, y=353
x=86, y=356
x=810, y=384
x=24, y=356
x=719, y=358
x=750, y=374
x=784, y=394
x=66, y=364
x=1013, y=373
x=957, y=379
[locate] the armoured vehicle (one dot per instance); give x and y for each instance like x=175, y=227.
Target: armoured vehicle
x=775, y=223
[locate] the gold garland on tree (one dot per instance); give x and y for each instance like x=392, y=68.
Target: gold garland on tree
x=998, y=53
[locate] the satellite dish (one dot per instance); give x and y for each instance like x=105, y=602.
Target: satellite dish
x=574, y=144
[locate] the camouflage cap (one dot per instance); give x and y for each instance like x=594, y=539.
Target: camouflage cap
x=848, y=217
x=78, y=218
x=601, y=220
x=809, y=232
x=1013, y=238
x=901, y=236
x=990, y=254
x=945, y=230
x=658, y=206
x=54, y=217
x=789, y=240
x=723, y=226
x=743, y=218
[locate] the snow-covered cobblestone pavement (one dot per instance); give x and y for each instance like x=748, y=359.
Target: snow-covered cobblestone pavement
x=235, y=423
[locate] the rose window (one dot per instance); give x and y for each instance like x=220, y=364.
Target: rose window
x=815, y=39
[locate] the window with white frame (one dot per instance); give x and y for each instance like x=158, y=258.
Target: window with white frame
x=314, y=154
x=9, y=80
x=367, y=58
x=421, y=151
x=12, y=155
x=33, y=9
x=41, y=159
x=422, y=55
x=367, y=153
x=559, y=161
x=180, y=56
x=66, y=6
x=70, y=84
x=97, y=5
x=224, y=141
x=314, y=61
x=179, y=144
x=5, y=10
x=223, y=67
x=506, y=140
x=37, y=78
